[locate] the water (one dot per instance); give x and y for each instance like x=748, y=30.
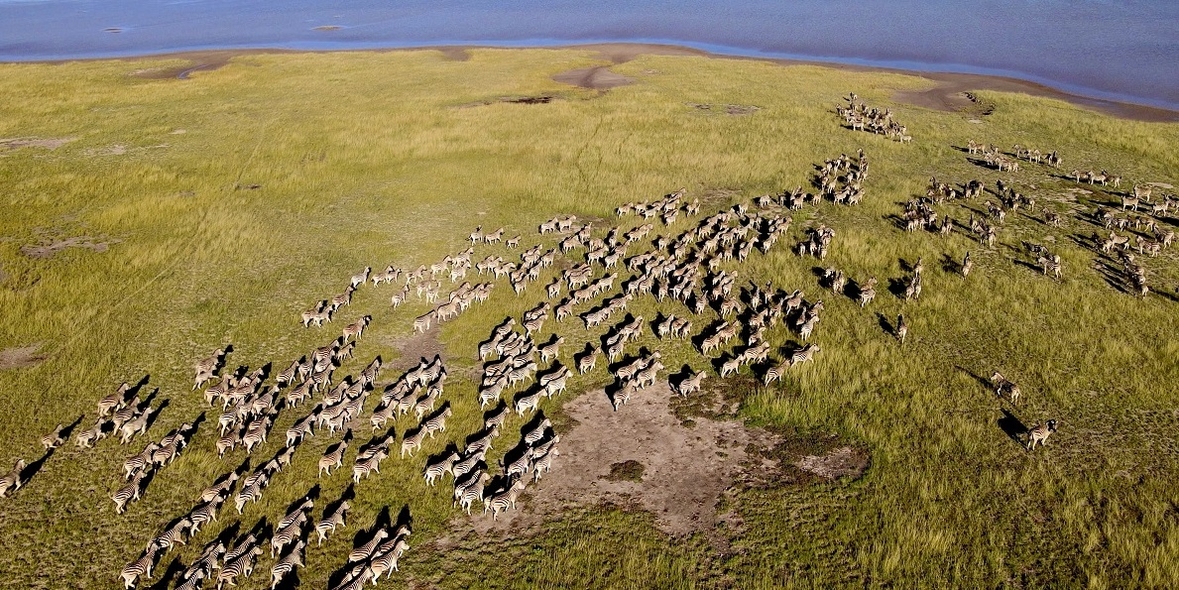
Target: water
x=1118, y=50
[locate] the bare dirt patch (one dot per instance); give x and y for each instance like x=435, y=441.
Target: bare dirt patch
x=14, y=143
x=842, y=462
x=455, y=53
x=728, y=109
x=49, y=248
x=644, y=455
x=17, y=358
x=412, y=349
x=597, y=78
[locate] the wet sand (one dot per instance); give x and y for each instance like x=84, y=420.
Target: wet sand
x=948, y=94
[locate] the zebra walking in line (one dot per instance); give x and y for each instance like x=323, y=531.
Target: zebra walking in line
x=332, y=521
x=140, y=568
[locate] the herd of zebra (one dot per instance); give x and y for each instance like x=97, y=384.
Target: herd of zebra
x=858, y=115
x=596, y=275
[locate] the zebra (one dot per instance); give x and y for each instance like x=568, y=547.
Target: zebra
x=360, y=278
x=775, y=373
x=472, y=493
x=12, y=481
x=1039, y=434
x=528, y=402
x=369, y=464
x=550, y=351
x=138, y=425
x=124, y=495
x=730, y=366
x=808, y=327
x=437, y=423
x=53, y=440
x=868, y=292
x=334, y=456
x=902, y=328
x=555, y=385
x=365, y=551
x=204, y=565
x=249, y=493
x=242, y=565
x=1005, y=386
x=329, y=523
x=140, y=568
x=804, y=354
x=114, y=401
x=386, y=560
x=538, y=432
x=412, y=443
x=967, y=265
x=588, y=360
x=224, y=485
x=436, y=468
x=502, y=501
x=543, y=464
x=691, y=384
x=206, y=512
x=288, y=534
x=286, y=564
x=174, y=535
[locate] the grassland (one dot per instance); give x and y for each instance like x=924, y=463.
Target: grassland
x=371, y=158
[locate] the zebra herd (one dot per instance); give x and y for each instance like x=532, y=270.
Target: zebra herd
x=858, y=115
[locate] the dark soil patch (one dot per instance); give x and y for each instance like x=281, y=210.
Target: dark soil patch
x=529, y=100
x=49, y=248
x=17, y=358
x=728, y=109
x=626, y=471
x=15, y=143
x=455, y=53
x=597, y=78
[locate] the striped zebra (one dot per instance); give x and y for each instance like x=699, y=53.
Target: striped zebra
x=470, y=461
x=506, y=499
x=538, y=432
x=483, y=443
x=175, y=535
x=331, y=522
x=333, y=456
x=902, y=328
x=223, y=485
x=206, y=512
x=385, y=559
x=1005, y=387
x=204, y=565
x=369, y=464
x=136, y=426
x=804, y=354
x=422, y=323
x=730, y=366
x=365, y=551
x=242, y=565
x=555, y=385
x=287, y=535
x=528, y=402
x=114, y=401
x=1039, y=434
x=550, y=351
x=248, y=494
x=287, y=564
x=588, y=360
x=140, y=568
x=691, y=384
x=124, y=495
x=412, y=443
x=967, y=265
x=53, y=440
x=472, y=493
x=141, y=461
x=544, y=463
x=437, y=467
x=808, y=328
x=868, y=292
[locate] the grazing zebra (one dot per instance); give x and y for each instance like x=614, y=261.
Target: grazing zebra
x=902, y=328
x=1004, y=386
x=242, y=565
x=332, y=521
x=140, y=568
x=286, y=564
x=806, y=353
x=334, y=456
x=1039, y=434
x=691, y=384
x=365, y=551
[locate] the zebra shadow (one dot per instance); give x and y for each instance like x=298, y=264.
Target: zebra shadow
x=986, y=383
x=906, y=266
x=852, y=290
x=1012, y=426
x=949, y=265
x=885, y=324
x=312, y=494
x=137, y=387
x=174, y=569
x=677, y=379
x=897, y=287
x=291, y=580
x=537, y=419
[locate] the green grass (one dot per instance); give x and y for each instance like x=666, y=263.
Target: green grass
x=375, y=158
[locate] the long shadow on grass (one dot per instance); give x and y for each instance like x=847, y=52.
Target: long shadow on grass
x=174, y=569
x=1012, y=426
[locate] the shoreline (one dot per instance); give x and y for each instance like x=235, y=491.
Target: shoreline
x=945, y=95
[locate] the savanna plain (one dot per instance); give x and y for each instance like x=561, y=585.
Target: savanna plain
x=151, y=218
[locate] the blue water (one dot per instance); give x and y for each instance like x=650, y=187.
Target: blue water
x=1119, y=50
